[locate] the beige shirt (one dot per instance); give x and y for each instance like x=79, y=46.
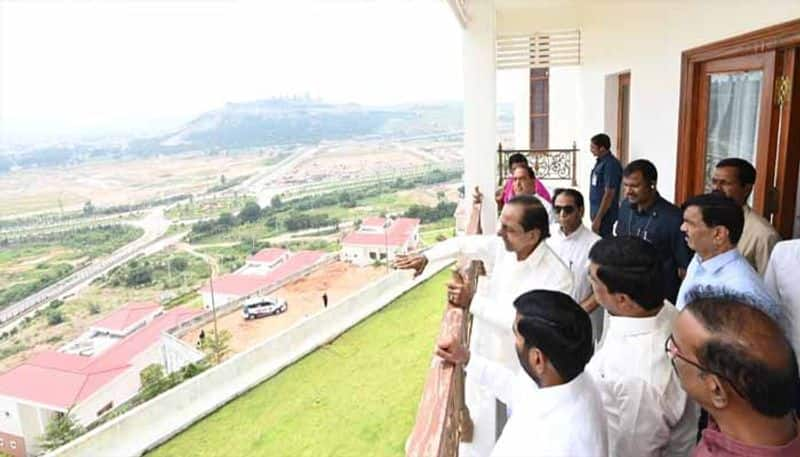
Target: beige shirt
x=758, y=239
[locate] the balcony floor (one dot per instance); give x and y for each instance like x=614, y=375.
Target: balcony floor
x=357, y=396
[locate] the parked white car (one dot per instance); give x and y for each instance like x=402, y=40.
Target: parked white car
x=263, y=306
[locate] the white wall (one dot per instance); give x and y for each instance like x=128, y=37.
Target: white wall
x=646, y=38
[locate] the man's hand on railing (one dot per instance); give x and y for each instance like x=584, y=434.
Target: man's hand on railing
x=459, y=294
x=451, y=350
x=416, y=262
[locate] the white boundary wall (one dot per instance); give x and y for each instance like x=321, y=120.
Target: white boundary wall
x=161, y=418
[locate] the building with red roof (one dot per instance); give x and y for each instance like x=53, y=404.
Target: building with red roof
x=53, y=382
x=378, y=238
x=242, y=284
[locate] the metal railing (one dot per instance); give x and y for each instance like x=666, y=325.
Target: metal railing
x=549, y=164
x=443, y=420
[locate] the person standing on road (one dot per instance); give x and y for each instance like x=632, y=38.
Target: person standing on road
x=325, y=299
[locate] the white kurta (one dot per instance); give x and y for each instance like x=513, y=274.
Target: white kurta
x=782, y=283
x=493, y=314
x=558, y=421
x=574, y=251
x=648, y=412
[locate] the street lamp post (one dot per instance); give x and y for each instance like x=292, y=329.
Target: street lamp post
x=214, y=312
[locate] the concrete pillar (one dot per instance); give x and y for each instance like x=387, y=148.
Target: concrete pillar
x=480, y=106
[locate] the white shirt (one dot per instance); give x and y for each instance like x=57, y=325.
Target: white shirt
x=781, y=280
x=574, y=251
x=565, y=420
x=493, y=303
x=648, y=412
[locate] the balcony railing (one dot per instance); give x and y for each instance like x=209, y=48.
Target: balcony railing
x=442, y=418
x=549, y=164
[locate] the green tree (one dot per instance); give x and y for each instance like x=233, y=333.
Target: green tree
x=60, y=431
x=56, y=304
x=139, y=276
x=88, y=208
x=152, y=381
x=217, y=347
x=276, y=202
x=222, y=180
x=54, y=317
x=179, y=263
x=250, y=213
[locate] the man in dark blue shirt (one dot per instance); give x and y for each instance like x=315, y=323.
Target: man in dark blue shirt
x=645, y=214
x=604, y=186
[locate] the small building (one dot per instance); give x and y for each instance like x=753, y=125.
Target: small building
x=51, y=383
x=234, y=286
x=265, y=260
x=378, y=238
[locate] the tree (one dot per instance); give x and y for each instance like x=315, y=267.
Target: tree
x=56, y=304
x=276, y=202
x=222, y=180
x=60, y=431
x=152, y=381
x=179, y=263
x=226, y=219
x=217, y=346
x=88, y=208
x=139, y=276
x=250, y=213
x=54, y=317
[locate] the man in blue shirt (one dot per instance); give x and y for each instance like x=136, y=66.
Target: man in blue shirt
x=713, y=225
x=604, y=186
x=645, y=214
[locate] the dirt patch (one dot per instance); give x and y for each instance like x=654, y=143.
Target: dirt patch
x=339, y=280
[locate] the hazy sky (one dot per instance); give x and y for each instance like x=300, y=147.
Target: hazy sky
x=75, y=67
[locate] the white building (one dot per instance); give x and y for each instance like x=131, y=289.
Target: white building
x=264, y=261
x=681, y=83
x=378, y=238
x=52, y=382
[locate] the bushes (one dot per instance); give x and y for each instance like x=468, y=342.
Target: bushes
x=54, y=316
x=431, y=213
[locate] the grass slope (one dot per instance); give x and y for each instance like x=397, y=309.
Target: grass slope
x=355, y=397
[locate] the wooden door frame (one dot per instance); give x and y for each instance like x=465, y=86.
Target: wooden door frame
x=623, y=154
x=773, y=40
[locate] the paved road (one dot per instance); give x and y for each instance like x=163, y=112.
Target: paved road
x=154, y=226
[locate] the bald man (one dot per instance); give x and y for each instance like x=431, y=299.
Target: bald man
x=736, y=363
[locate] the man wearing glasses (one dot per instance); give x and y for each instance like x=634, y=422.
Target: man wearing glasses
x=735, y=362
x=646, y=214
x=648, y=413
x=571, y=240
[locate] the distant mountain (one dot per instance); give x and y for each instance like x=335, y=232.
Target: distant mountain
x=270, y=122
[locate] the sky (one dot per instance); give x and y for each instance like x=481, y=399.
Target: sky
x=72, y=69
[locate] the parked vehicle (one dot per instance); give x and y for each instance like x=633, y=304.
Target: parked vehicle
x=263, y=306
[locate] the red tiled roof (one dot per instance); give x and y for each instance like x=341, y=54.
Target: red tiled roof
x=396, y=235
x=240, y=285
x=61, y=380
x=373, y=222
x=268, y=255
x=127, y=315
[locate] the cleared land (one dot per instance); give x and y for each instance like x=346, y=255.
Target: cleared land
x=357, y=396
x=119, y=182
x=304, y=296
x=350, y=161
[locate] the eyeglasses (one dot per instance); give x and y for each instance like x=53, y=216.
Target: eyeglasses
x=674, y=353
x=565, y=209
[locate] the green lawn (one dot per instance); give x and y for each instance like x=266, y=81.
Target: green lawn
x=355, y=397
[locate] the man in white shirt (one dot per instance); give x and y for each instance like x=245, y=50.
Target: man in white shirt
x=571, y=240
x=518, y=260
x=556, y=407
x=648, y=412
x=782, y=283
